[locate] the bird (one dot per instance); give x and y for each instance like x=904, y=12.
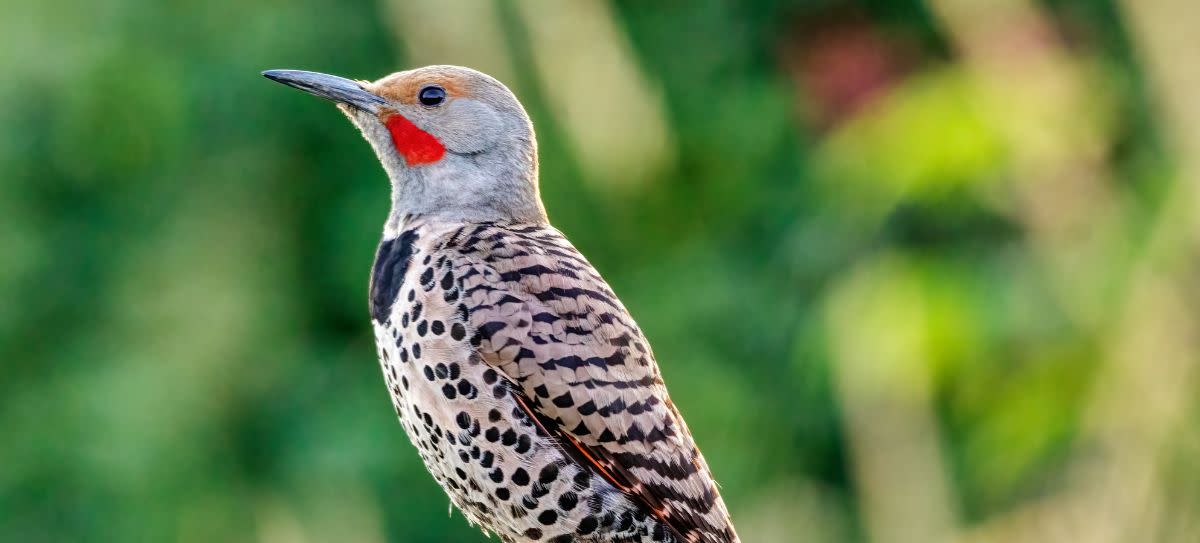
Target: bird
x=529, y=391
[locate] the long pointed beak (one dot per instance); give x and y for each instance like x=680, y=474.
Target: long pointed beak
x=329, y=87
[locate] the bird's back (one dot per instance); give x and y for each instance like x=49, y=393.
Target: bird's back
x=530, y=392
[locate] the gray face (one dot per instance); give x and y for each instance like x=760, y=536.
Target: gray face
x=455, y=142
x=463, y=125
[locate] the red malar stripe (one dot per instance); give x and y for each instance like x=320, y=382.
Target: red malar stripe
x=416, y=145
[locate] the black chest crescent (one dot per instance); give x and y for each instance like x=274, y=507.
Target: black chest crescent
x=391, y=263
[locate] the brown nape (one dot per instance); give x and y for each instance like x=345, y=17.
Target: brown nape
x=403, y=86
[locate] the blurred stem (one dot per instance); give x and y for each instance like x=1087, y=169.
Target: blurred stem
x=1116, y=485
x=878, y=333
x=1157, y=350
x=1057, y=134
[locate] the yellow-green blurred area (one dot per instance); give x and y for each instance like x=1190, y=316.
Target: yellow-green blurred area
x=914, y=271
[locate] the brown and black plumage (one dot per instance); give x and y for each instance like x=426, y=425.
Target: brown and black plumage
x=530, y=393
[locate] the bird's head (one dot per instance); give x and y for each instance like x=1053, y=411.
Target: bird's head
x=455, y=142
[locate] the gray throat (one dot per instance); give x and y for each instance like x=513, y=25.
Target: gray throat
x=499, y=184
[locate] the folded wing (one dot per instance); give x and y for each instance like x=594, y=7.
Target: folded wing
x=542, y=315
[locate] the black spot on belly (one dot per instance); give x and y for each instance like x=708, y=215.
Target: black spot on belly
x=391, y=263
x=567, y=501
x=523, y=444
x=548, y=474
x=520, y=477
x=588, y=525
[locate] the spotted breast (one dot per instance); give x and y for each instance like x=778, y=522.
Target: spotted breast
x=530, y=393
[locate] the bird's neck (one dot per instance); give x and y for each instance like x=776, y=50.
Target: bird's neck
x=465, y=189
x=498, y=184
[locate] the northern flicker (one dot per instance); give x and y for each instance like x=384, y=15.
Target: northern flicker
x=528, y=390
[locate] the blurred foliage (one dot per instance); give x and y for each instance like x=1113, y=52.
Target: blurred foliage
x=888, y=255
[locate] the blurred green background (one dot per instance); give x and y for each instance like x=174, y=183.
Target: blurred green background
x=914, y=271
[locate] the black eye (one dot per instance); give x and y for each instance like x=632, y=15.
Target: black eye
x=432, y=95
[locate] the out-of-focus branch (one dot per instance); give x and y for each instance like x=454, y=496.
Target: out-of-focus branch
x=1115, y=489
x=1057, y=133
x=877, y=328
x=609, y=109
x=1165, y=35
x=1142, y=399
x=459, y=32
